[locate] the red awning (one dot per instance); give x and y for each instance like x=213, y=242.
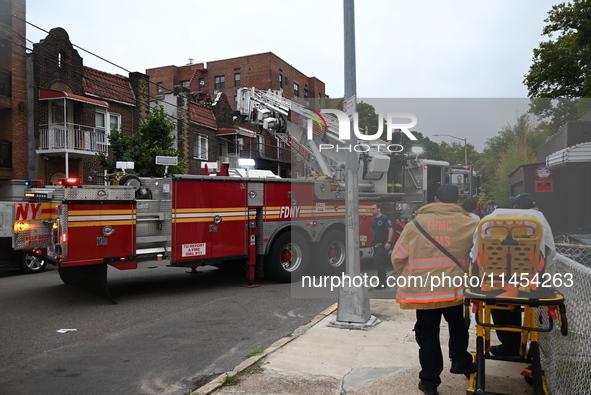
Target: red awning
x=48, y=94
x=230, y=132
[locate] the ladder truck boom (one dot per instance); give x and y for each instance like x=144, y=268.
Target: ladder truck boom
x=315, y=136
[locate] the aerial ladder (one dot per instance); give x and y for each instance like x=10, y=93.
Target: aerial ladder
x=314, y=136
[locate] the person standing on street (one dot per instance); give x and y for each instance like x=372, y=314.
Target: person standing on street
x=420, y=261
x=383, y=232
x=470, y=206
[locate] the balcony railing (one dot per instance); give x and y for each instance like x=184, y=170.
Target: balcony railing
x=72, y=137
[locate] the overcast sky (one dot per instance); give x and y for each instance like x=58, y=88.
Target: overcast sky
x=404, y=49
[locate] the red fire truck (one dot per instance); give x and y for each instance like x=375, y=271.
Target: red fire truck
x=279, y=228
x=274, y=227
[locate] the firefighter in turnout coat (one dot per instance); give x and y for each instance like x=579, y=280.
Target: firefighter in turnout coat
x=427, y=282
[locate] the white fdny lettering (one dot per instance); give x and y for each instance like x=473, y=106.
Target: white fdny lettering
x=289, y=212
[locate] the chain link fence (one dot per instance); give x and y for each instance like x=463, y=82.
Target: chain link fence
x=574, y=247
x=567, y=359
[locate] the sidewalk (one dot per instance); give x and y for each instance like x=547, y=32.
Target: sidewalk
x=321, y=359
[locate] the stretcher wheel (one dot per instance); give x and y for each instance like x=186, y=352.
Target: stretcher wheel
x=563, y=321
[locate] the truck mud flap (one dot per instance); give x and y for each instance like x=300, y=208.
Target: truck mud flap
x=92, y=278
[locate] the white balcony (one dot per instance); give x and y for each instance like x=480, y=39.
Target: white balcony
x=71, y=138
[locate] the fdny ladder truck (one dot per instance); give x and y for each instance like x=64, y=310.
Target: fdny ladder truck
x=273, y=227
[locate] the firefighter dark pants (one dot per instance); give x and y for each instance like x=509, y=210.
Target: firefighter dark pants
x=427, y=335
x=511, y=340
x=380, y=260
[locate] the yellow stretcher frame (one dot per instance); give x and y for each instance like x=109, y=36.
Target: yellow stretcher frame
x=510, y=246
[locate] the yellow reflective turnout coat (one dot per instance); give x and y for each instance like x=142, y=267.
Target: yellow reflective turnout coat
x=429, y=279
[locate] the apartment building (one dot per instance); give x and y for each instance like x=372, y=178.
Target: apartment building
x=262, y=71
x=13, y=94
x=76, y=107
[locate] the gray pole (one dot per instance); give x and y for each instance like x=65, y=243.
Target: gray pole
x=465, y=151
x=353, y=304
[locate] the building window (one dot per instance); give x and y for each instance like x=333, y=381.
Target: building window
x=296, y=89
x=220, y=82
x=201, y=84
x=280, y=80
x=101, y=124
x=106, y=122
x=159, y=88
x=305, y=93
x=5, y=153
x=236, y=80
x=185, y=84
x=200, y=147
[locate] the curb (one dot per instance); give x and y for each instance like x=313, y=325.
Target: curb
x=218, y=382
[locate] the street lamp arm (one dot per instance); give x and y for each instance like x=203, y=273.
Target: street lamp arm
x=449, y=135
x=459, y=138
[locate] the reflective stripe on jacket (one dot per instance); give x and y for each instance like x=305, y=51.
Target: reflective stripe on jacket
x=431, y=280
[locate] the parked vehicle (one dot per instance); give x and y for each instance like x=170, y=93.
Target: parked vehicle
x=25, y=261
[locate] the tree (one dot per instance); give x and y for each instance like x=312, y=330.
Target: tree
x=154, y=138
x=515, y=145
x=561, y=68
x=369, y=120
x=455, y=153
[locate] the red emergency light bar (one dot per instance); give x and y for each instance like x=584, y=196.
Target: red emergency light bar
x=69, y=182
x=34, y=183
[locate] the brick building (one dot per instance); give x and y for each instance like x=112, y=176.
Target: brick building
x=76, y=107
x=211, y=133
x=13, y=93
x=206, y=82
x=56, y=114
x=262, y=71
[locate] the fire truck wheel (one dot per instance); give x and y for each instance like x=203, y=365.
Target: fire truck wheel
x=288, y=259
x=333, y=252
x=31, y=263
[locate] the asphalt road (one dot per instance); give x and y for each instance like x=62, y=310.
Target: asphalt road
x=169, y=333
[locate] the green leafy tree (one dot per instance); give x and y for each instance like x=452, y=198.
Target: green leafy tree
x=455, y=153
x=369, y=120
x=515, y=145
x=431, y=149
x=561, y=68
x=154, y=138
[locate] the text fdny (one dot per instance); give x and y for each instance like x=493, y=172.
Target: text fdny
x=289, y=212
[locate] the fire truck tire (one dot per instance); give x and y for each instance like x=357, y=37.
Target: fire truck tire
x=288, y=258
x=31, y=263
x=333, y=252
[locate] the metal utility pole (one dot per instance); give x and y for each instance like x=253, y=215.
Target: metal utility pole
x=353, y=305
x=465, y=145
